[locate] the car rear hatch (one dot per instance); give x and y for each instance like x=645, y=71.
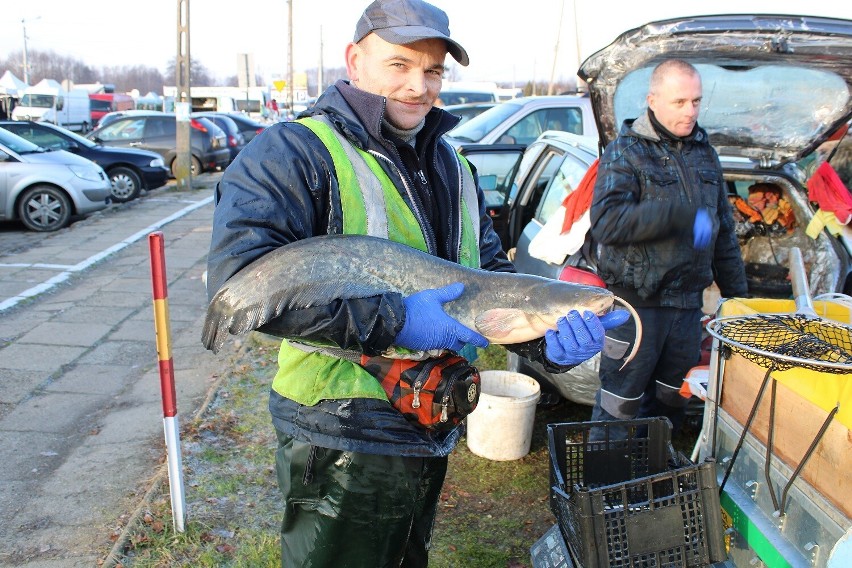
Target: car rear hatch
x=775, y=87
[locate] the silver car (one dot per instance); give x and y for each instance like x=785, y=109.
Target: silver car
x=44, y=190
x=522, y=120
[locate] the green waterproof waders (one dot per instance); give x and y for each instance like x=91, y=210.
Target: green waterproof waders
x=353, y=510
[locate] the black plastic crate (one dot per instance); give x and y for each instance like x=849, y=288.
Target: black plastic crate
x=633, y=502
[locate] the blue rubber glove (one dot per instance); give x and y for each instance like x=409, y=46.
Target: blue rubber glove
x=702, y=230
x=579, y=338
x=427, y=326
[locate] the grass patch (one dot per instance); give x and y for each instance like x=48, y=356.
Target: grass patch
x=489, y=515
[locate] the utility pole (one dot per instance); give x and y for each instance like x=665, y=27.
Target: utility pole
x=556, y=50
x=183, y=99
x=290, y=55
x=319, y=68
x=26, y=53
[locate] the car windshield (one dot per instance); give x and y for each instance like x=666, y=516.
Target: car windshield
x=37, y=101
x=477, y=127
x=98, y=104
x=17, y=144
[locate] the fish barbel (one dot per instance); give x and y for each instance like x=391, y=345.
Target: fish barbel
x=504, y=307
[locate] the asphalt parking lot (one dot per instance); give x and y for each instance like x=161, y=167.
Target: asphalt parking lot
x=80, y=401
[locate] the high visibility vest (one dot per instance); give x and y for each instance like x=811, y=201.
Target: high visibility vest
x=372, y=205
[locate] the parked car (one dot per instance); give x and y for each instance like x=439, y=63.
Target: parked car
x=44, y=190
x=467, y=111
x=522, y=120
x=458, y=95
x=236, y=140
x=764, y=109
x=247, y=125
x=157, y=131
x=129, y=170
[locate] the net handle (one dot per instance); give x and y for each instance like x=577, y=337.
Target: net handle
x=799, y=280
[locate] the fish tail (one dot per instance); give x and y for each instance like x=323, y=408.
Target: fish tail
x=638, y=339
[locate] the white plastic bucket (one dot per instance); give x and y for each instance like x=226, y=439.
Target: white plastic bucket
x=500, y=428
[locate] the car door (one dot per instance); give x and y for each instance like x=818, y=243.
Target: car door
x=497, y=166
x=5, y=160
x=555, y=176
x=160, y=136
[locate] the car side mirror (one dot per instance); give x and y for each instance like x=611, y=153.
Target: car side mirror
x=72, y=147
x=488, y=183
x=506, y=139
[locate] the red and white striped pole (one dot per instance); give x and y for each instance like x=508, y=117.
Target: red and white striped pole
x=167, y=377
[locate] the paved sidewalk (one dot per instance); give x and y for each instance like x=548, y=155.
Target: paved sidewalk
x=80, y=405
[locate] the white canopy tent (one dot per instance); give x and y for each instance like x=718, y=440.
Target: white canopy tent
x=10, y=90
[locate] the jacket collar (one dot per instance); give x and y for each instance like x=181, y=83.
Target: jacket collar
x=359, y=116
x=644, y=128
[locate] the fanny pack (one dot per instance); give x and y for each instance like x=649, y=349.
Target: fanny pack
x=436, y=393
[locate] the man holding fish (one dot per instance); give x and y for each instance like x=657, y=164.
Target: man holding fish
x=360, y=481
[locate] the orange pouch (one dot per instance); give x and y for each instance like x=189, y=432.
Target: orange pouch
x=436, y=393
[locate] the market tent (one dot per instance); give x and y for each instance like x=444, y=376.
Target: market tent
x=10, y=90
x=11, y=85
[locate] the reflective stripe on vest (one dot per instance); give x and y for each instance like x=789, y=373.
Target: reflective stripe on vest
x=372, y=205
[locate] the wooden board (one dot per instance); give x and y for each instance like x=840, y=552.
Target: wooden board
x=797, y=422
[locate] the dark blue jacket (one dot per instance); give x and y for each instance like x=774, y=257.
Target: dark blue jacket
x=645, y=199
x=282, y=188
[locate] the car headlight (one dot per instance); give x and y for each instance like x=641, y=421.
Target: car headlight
x=158, y=163
x=88, y=173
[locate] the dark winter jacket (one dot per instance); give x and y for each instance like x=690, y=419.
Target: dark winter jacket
x=282, y=188
x=646, y=196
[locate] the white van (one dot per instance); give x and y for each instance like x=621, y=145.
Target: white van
x=47, y=101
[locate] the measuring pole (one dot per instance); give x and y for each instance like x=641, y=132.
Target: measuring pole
x=167, y=377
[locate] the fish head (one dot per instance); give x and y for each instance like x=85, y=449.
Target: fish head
x=542, y=302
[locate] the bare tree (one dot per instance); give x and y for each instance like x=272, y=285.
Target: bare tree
x=51, y=65
x=199, y=75
x=127, y=78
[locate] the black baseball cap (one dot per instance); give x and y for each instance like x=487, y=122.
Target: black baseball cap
x=405, y=21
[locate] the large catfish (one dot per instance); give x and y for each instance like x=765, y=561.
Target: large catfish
x=504, y=307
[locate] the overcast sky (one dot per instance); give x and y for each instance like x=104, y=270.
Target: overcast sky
x=506, y=41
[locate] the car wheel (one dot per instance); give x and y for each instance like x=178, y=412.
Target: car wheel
x=126, y=185
x=194, y=166
x=44, y=208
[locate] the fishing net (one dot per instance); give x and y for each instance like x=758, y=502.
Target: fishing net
x=785, y=341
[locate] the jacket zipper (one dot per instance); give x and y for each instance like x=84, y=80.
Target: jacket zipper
x=427, y=235
x=687, y=180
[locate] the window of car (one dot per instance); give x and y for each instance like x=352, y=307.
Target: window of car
x=462, y=97
x=156, y=127
x=477, y=127
x=42, y=138
x=126, y=129
x=496, y=173
x=526, y=130
x=564, y=181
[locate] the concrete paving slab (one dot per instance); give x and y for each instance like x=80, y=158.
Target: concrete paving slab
x=32, y=357
x=60, y=333
x=58, y=413
x=100, y=380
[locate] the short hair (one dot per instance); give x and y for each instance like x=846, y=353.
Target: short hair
x=662, y=70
